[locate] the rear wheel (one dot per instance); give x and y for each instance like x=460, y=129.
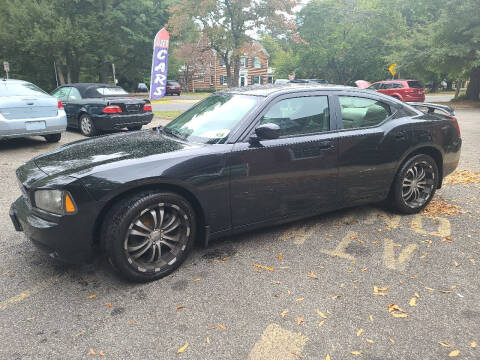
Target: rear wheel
x=53, y=138
x=134, y=128
x=86, y=125
x=415, y=184
x=148, y=235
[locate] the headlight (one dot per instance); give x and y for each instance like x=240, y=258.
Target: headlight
x=55, y=201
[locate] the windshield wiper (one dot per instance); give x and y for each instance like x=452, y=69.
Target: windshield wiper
x=173, y=133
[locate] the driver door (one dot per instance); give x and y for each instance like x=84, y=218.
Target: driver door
x=294, y=175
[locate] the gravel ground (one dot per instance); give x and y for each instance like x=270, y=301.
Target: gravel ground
x=320, y=286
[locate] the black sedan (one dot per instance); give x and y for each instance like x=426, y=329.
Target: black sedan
x=238, y=160
x=101, y=107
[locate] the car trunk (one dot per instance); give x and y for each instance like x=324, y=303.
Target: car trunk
x=28, y=107
x=129, y=105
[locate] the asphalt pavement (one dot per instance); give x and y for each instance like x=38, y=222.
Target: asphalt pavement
x=357, y=283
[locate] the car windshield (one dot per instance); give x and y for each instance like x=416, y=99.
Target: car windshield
x=212, y=120
x=19, y=89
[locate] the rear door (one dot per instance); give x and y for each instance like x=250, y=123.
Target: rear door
x=290, y=176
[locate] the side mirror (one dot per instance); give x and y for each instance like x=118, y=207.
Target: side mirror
x=268, y=131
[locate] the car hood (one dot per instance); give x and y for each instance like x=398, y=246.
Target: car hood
x=80, y=156
x=362, y=84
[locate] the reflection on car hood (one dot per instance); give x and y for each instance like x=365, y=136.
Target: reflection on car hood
x=85, y=154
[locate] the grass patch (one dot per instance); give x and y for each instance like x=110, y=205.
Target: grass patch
x=167, y=114
x=161, y=101
x=199, y=95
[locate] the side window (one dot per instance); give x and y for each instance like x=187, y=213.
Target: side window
x=74, y=95
x=360, y=112
x=62, y=93
x=387, y=86
x=375, y=86
x=397, y=86
x=299, y=116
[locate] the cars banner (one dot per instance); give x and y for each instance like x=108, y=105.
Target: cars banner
x=158, y=80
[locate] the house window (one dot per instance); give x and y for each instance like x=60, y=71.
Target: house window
x=223, y=79
x=257, y=80
x=243, y=61
x=222, y=61
x=269, y=79
x=212, y=79
x=257, y=64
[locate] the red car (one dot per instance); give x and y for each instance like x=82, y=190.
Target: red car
x=405, y=90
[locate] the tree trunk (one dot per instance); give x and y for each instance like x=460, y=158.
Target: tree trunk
x=236, y=70
x=61, y=78
x=458, y=86
x=434, y=87
x=473, y=89
x=449, y=85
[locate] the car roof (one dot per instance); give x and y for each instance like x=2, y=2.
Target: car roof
x=85, y=88
x=267, y=90
x=14, y=81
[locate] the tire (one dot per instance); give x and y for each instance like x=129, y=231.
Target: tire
x=139, y=248
x=86, y=125
x=135, y=128
x=414, y=185
x=53, y=138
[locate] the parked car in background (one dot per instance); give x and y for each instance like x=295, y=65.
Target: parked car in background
x=102, y=107
x=27, y=110
x=173, y=87
x=404, y=90
x=238, y=160
x=142, y=88
x=318, y=81
x=281, y=81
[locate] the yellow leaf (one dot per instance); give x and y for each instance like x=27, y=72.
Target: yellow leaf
x=81, y=333
x=359, y=332
x=474, y=344
x=223, y=327
x=336, y=297
x=312, y=275
x=356, y=352
x=327, y=357
x=413, y=302
x=92, y=352
x=395, y=311
x=454, y=353
x=179, y=308
x=445, y=344
x=299, y=320
x=280, y=257
x=182, y=349
x=371, y=318
x=102, y=353
x=377, y=288
x=196, y=280
x=284, y=312
x=417, y=296
x=108, y=304
x=370, y=341
x=91, y=296
x=300, y=299
x=429, y=288
x=208, y=340
x=456, y=263
x=320, y=324
x=264, y=267
x=392, y=341
x=321, y=314
x=364, y=269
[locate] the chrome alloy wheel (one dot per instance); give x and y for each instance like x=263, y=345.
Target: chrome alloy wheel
x=86, y=125
x=418, y=184
x=156, y=237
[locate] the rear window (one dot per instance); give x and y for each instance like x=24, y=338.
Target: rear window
x=19, y=89
x=415, y=84
x=172, y=83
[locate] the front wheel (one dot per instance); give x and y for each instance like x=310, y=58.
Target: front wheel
x=148, y=235
x=415, y=184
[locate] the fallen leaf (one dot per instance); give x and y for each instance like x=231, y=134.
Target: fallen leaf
x=276, y=282
x=312, y=275
x=456, y=263
x=371, y=318
x=380, y=291
x=131, y=322
x=299, y=320
x=196, y=280
x=321, y=314
x=300, y=299
x=108, y=304
x=364, y=269
x=280, y=257
x=6, y=272
x=320, y=324
x=369, y=341
x=213, y=327
x=423, y=256
x=182, y=349
x=417, y=296
x=101, y=353
x=336, y=297
x=264, y=267
x=395, y=311
x=359, y=332
x=179, y=308
x=284, y=312
x=429, y=288
x=392, y=341
x=92, y=296
x=223, y=327
x=208, y=340
x=327, y=357
x=454, y=353
x=356, y=352
x=413, y=302
x=473, y=344
x=92, y=352
x=31, y=318
x=445, y=344
x=81, y=333
x=446, y=291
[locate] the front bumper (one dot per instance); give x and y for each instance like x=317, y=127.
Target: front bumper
x=62, y=237
x=120, y=121
x=18, y=127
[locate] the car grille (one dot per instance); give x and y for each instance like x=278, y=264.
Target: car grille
x=132, y=107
